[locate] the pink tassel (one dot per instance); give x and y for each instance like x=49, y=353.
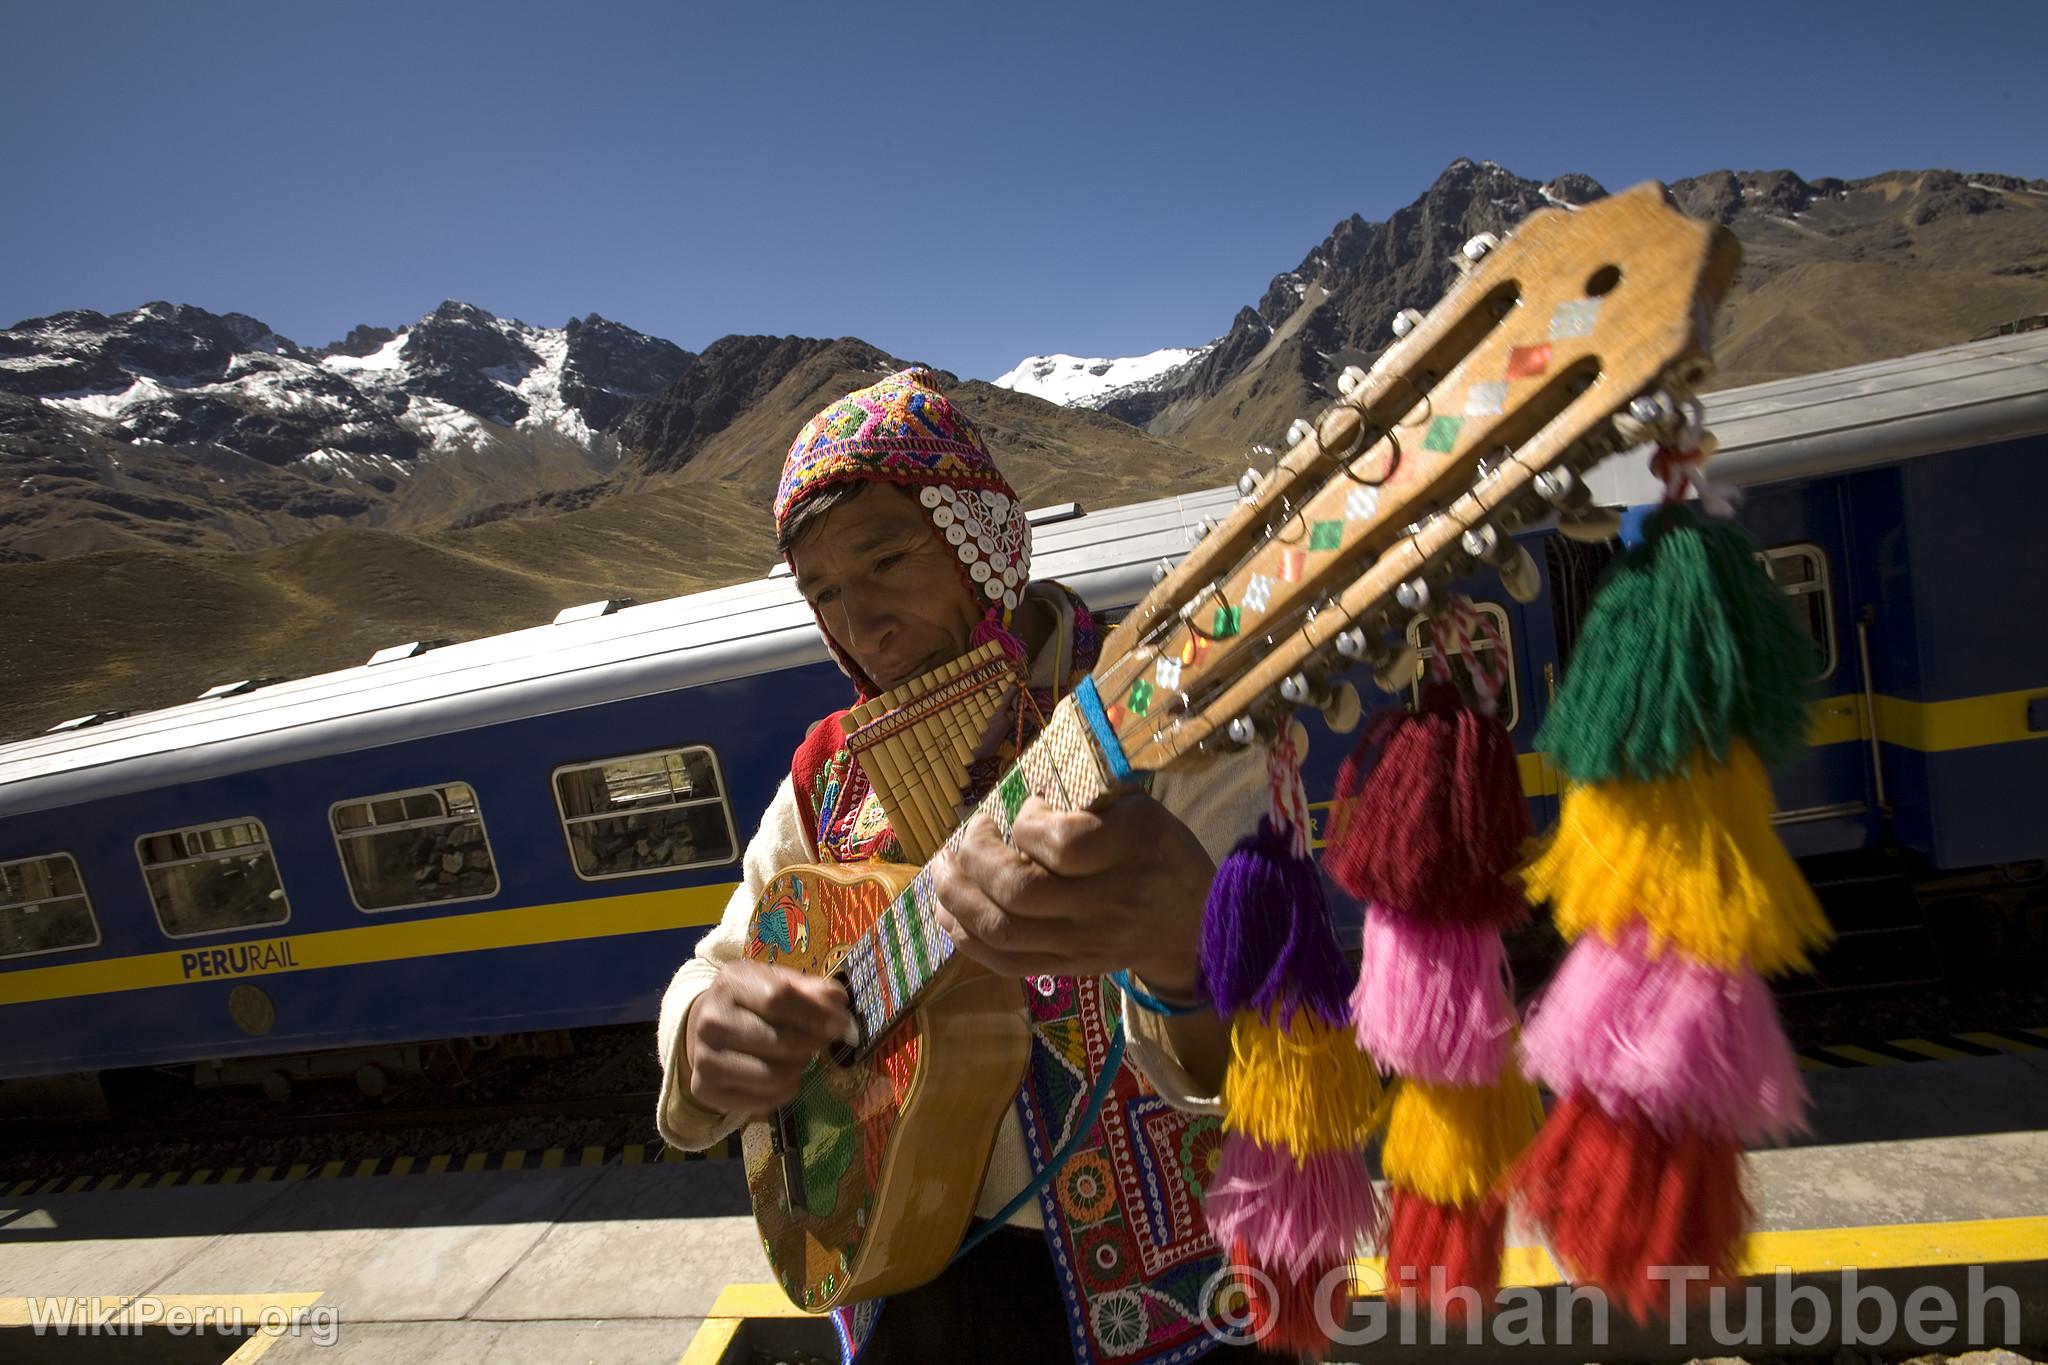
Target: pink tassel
x=1690, y=1046
x=1292, y=1215
x=1431, y=1000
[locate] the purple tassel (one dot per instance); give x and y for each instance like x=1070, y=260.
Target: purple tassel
x=1297, y=1216
x=1267, y=939
x=1692, y=1046
x=1432, y=999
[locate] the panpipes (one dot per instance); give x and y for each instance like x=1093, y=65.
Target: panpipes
x=915, y=743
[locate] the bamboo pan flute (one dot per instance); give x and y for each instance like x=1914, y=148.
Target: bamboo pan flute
x=915, y=742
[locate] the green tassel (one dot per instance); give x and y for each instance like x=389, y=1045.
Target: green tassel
x=1689, y=645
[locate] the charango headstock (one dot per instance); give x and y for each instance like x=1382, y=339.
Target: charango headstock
x=1579, y=336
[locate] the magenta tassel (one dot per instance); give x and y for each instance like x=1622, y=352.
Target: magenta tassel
x=1432, y=999
x=1691, y=1046
x=1296, y=1216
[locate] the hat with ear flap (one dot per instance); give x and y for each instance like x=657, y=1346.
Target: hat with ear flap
x=903, y=430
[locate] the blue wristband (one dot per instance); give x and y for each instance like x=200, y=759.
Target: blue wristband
x=1152, y=1003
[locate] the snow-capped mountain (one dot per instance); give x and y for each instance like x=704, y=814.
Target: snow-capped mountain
x=458, y=411
x=1076, y=381
x=1835, y=272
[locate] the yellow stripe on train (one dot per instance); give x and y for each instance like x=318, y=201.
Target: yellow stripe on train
x=1930, y=727
x=526, y=926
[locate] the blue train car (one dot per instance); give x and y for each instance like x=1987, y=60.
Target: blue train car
x=528, y=832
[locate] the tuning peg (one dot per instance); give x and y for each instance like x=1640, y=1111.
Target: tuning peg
x=1298, y=431
x=1160, y=571
x=1414, y=594
x=1342, y=710
x=1591, y=525
x=1398, y=670
x=1517, y=570
x=1350, y=380
x=1248, y=484
x=1476, y=248
x=1241, y=731
x=1647, y=417
x=1295, y=689
x=1563, y=489
x=1203, y=528
x=1406, y=321
x=1353, y=644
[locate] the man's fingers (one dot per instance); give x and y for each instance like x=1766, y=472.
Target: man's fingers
x=971, y=917
x=1078, y=843
x=743, y=1031
x=794, y=1002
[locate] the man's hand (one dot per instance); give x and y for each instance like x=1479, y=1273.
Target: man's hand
x=1080, y=894
x=749, y=1036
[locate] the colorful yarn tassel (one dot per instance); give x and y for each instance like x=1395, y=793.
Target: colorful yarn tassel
x=1300, y=1216
x=1430, y=814
x=1429, y=1000
x=1693, y=856
x=1658, y=1034
x=1431, y=819
x=1693, y=649
x=1292, y=1197
x=1690, y=1045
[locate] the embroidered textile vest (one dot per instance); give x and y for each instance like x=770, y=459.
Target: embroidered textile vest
x=1123, y=1217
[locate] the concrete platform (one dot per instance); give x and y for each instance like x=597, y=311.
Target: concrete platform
x=1916, y=1175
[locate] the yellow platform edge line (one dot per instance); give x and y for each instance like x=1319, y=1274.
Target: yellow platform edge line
x=1803, y=1251
x=713, y=1339
x=1934, y=1050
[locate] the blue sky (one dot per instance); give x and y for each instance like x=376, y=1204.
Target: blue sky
x=960, y=184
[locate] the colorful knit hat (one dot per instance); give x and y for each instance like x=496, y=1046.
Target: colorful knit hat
x=903, y=430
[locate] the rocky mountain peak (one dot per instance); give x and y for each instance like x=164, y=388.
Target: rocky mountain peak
x=362, y=340
x=732, y=376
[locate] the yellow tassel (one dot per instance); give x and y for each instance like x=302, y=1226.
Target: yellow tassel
x=1451, y=1144
x=1695, y=858
x=1309, y=1087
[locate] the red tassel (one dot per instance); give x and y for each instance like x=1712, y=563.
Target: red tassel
x=1430, y=814
x=1286, y=1312
x=1616, y=1197
x=1434, y=1249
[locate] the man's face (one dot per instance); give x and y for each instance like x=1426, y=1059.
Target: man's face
x=886, y=588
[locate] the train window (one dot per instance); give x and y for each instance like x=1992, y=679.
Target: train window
x=43, y=907
x=1801, y=573
x=211, y=878
x=651, y=812
x=1419, y=635
x=407, y=849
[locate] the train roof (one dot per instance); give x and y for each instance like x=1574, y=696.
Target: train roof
x=1947, y=399
x=1972, y=394
x=706, y=637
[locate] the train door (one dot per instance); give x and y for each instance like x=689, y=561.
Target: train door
x=1826, y=801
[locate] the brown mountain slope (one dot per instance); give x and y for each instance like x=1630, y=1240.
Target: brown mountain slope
x=163, y=626
x=1834, y=273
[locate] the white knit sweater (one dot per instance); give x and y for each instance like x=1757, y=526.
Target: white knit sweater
x=1220, y=801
